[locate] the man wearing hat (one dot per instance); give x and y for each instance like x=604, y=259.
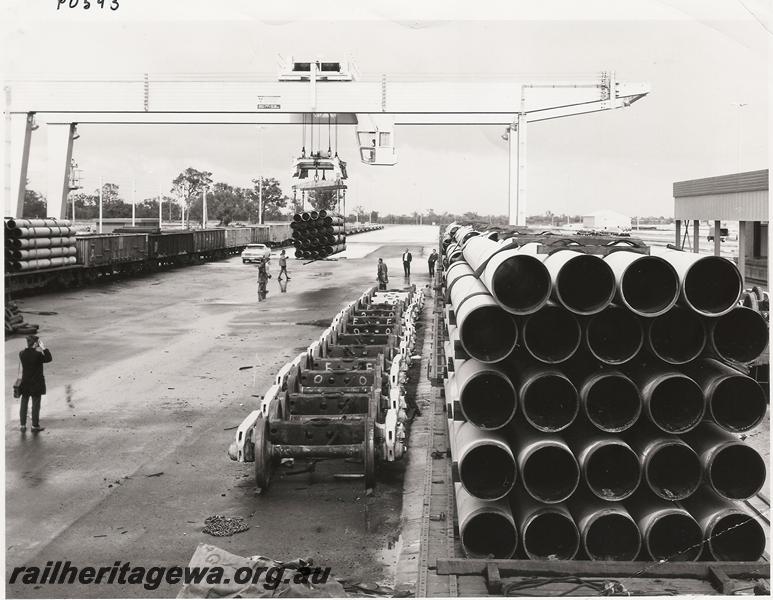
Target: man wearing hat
x=33, y=383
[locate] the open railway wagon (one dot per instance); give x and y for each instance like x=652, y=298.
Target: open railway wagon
x=341, y=398
x=595, y=408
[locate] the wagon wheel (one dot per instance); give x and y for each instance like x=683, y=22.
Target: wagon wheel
x=369, y=448
x=263, y=464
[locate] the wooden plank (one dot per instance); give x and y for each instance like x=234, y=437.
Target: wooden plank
x=550, y=587
x=721, y=581
x=562, y=568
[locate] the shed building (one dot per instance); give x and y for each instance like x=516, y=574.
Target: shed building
x=606, y=220
x=741, y=197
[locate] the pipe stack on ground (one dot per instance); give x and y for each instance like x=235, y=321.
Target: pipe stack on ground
x=32, y=244
x=14, y=321
x=318, y=234
x=595, y=402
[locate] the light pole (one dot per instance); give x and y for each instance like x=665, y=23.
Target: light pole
x=134, y=199
x=101, y=185
x=204, y=208
x=260, y=177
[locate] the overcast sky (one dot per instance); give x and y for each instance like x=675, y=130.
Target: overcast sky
x=701, y=59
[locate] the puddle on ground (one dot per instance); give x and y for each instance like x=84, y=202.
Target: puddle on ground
x=328, y=294
x=324, y=323
x=388, y=556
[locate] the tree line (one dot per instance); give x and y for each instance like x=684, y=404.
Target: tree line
x=228, y=204
x=225, y=202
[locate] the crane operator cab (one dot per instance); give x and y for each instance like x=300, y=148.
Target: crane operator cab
x=376, y=135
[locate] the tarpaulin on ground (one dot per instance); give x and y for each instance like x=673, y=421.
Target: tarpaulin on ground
x=274, y=579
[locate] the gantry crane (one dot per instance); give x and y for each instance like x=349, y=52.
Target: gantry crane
x=305, y=91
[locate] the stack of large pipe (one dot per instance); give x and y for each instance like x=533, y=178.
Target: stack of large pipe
x=318, y=234
x=32, y=244
x=595, y=402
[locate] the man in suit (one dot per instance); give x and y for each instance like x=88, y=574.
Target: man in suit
x=407, y=262
x=33, y=383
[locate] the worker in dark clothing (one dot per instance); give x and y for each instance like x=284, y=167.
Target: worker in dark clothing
x=431, y=262
x=382, y=275
x=282, y=266
x=407, y=262
x=33, y=383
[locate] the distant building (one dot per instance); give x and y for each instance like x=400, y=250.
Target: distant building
x=606, y=220
x=741, y=197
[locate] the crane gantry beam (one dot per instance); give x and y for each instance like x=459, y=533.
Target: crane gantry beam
x=148, y=99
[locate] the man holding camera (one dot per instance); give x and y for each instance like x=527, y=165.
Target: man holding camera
x=33, y=383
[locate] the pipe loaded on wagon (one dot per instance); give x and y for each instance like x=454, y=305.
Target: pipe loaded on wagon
x=595, y=395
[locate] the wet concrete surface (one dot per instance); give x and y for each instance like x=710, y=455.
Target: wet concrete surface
x=143, y=395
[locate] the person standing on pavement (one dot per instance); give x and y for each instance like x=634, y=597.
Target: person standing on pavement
x=33, y=383
x=263, y=277
x=407, y=262
x=431, y=262
x=282, y=266
x=382, y=274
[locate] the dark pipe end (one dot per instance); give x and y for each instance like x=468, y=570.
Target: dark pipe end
x=488, y=333
x=550, y=403
x=522, y=284
x=737, y=472
x=738, y=403
x=552, y=335
x=677, y=405
x=612, y=537
x=585, y=284
x=488, y=401
x=737, y=537
x=713, y=285
x=489, y=534
x=741, y=335
x=614, y=336
x=674, y=472
x=488, y=472
x=551, y=474
x=678, y=336
x=650, y=286
x=613, y=403
x=551, y=535
x=613, y=472
x=675, y=537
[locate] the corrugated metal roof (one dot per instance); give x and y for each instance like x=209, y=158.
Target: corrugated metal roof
x=740, y=206
x=750, y=181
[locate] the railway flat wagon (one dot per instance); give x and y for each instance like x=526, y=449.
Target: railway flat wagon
x=208, y=242
x=111, y=250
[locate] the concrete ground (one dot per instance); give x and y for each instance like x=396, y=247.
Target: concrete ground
x=149, y=378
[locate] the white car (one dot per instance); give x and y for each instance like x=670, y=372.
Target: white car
x=255, y=252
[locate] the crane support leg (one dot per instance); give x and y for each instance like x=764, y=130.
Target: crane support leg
x=60, y=140
x=18, y=156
